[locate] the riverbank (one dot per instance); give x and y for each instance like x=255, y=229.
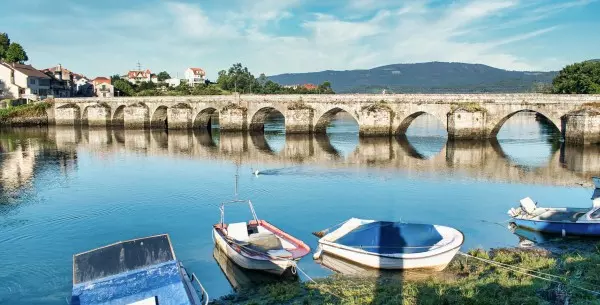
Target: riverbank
x=465, y=281
x=25, y=115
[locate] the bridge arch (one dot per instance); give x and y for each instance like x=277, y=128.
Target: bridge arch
x=497, y=124
x=325, y=119
x=159, y=118
x=258, y=119
x=118, y=117
x=203, y=120
x=407, y=121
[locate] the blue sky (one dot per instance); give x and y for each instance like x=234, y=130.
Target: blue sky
x=278, y=36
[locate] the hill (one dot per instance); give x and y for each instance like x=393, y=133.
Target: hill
x=429, y=77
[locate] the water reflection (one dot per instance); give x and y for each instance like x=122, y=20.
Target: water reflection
x=489, y=159
x=240, y=278
x=521, y=135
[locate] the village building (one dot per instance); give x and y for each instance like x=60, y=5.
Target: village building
x=139, y=76
x=19, y=81
x=103, y=87
x=195, y=76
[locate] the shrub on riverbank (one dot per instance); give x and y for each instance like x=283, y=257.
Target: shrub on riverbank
x=465, y=281
x=25, y=111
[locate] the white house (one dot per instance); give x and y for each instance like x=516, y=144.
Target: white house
x=138, y=76
x=22, y=81
x=173, y=82
x=83, y=87
x=195, y=76
x=103, y=87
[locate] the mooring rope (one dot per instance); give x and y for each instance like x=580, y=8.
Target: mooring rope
x=528, y=272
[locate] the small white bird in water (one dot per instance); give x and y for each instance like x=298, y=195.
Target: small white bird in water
x=256, y=172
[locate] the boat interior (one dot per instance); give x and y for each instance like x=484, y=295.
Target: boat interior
x=561, y=214
x=262, y=237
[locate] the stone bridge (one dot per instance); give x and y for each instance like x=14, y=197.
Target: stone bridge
x=465, y=116
x=479, y=160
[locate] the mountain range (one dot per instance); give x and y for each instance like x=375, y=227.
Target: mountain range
x=428, y=77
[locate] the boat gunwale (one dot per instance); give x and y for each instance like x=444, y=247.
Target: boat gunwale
x=263, y=256
x=401, y=255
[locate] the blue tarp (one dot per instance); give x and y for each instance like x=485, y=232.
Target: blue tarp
x=384, y=237
x=163, y=281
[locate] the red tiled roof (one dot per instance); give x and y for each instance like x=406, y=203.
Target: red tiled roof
x=101, y=79
x=309, y=86
x=198, y=71
x=138, y=73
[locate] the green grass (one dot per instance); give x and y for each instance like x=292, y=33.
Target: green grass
x=28, y=110
x=465, y=281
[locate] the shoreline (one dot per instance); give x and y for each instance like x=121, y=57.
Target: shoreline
x=465, y=281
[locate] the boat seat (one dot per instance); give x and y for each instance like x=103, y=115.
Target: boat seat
x=238, y=231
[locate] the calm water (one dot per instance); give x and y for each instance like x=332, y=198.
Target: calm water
x=68, y=190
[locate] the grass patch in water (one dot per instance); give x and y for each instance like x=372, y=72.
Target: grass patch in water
x=465, y=281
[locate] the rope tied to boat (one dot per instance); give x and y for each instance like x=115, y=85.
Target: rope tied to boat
x=537, y=274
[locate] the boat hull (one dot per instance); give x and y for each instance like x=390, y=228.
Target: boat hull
x=435, y=262
x=562, y=228
x=274, y=266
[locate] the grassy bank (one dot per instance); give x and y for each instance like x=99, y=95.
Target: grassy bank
x=465, y=281
x=24, y=112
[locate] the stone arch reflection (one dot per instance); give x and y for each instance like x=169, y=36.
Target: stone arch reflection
x=422, y=148
x=422, y=124
x=337, y=132
x=527, y=138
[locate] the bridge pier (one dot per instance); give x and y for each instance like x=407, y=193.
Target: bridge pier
x=299, y=120
x=463, y=124
x=233, y=118
x=67, y=115
x=179, y=117
x=136, y=116
x=375, y=120
x=97, y=115
x=582, y=127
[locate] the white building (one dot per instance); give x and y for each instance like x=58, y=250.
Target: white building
x=195, y=76
x=103, y=87
x=173, y=82
x=138, y=76
x=83, y=87
x=22, y=81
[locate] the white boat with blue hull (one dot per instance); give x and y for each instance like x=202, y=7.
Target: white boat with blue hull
x=563, y=221
x=393, y=245
x=141, y=271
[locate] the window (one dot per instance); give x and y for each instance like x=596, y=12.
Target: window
x=32, y=81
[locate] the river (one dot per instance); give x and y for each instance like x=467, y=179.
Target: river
x=68, y=190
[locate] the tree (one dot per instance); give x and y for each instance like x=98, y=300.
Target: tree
x=262, y=79
x=238, y=79
x=124, y=87
x=325, y=88
x=578, y=78
x=162, y=76
x=114, y=78
x=15, y=53
x=4, y=44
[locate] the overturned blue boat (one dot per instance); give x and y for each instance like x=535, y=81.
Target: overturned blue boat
x=562, y=221
x=141, y=271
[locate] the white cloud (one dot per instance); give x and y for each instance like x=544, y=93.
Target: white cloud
x=174, y=35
